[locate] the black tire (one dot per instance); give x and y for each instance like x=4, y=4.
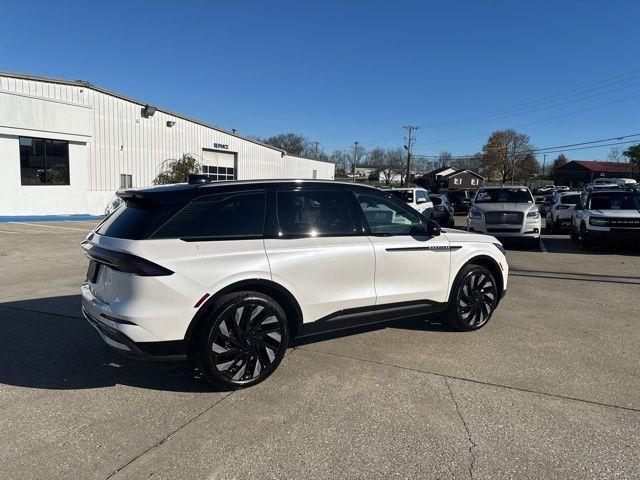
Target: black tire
x=473, y=298
x=572, y=233
x=242, y=341
x=584, y=237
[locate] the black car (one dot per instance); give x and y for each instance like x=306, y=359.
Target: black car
x=442, y=210
x=461, y=199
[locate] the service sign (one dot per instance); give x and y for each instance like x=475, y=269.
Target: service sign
x=221, y=145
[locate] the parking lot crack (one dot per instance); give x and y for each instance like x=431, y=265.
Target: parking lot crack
x=472, y=443
x=169, y=435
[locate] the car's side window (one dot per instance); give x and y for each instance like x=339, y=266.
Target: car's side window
x=313, y=213
x=420, y=195
x=216, y=217
x=386, y=218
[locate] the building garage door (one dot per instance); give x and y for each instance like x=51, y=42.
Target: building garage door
x=219, y=165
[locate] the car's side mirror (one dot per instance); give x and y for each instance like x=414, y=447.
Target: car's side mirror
x=421, y=200
x=433, y=229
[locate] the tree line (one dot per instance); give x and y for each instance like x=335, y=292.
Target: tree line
x=507, y=155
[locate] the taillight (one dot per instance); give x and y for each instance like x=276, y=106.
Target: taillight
x=124, y=262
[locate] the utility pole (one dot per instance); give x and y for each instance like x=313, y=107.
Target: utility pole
x=544, y=164
x=408, y=147
x=316, y=149
x=355, y=159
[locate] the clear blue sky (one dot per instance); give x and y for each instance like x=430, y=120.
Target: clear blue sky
x=339, y=71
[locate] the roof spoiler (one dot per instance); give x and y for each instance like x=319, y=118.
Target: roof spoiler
x=136, y=197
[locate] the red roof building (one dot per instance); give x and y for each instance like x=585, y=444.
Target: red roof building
x=577, y=173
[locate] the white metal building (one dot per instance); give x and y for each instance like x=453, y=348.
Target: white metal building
x=67, y=146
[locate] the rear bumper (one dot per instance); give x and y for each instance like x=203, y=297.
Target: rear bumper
x=117, y=340
x=124, y=335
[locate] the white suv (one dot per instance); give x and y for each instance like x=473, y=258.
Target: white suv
x=227, y=273
x=561, y=209
x=506, y=211
x=606, y=215
x=418, y=198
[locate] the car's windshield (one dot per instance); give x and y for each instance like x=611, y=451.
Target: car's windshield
x=615, y=201
x=504, y=195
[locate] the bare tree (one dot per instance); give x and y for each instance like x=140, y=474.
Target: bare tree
x=504, y=153
x=445, y=159
x=342, y=162
x=615, y=155
x=291, y=143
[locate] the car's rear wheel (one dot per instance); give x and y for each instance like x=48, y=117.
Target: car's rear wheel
x=473, y=299
x=243, y=340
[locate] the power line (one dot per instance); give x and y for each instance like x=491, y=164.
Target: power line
x=546, y=98
x=537, y=121
x=590, y=142
x=545, y=150
x=592, y=146
x=537, y=109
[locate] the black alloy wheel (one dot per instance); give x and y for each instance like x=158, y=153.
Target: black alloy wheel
x=244, y=340
x=473, y=299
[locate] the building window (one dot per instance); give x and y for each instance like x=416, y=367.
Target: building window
x=218, y=173
x=126, y=180
x=44, y=162
x=457, y=181
x=474, y=181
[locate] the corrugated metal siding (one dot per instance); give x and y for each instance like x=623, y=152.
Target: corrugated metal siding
x=125, y=142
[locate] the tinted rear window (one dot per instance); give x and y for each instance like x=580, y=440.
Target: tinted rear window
x=403, y=195
x=569, y=199
x=135, y=222
x=238, y=215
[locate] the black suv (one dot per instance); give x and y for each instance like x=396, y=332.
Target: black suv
x=461, y=199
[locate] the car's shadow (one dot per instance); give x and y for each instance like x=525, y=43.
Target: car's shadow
x=46, y=344
x=57, y=349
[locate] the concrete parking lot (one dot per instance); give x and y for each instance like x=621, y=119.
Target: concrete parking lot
x=550, y=388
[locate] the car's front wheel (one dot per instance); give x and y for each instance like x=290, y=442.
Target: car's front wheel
x=242, y=341
x=473, y=299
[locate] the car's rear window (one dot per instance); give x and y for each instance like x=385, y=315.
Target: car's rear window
x=403, y=195
x=136, y=222
x=569, y=199
x=435, y=199
x=218, y=217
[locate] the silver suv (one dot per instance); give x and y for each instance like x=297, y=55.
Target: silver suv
x=505, y=211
